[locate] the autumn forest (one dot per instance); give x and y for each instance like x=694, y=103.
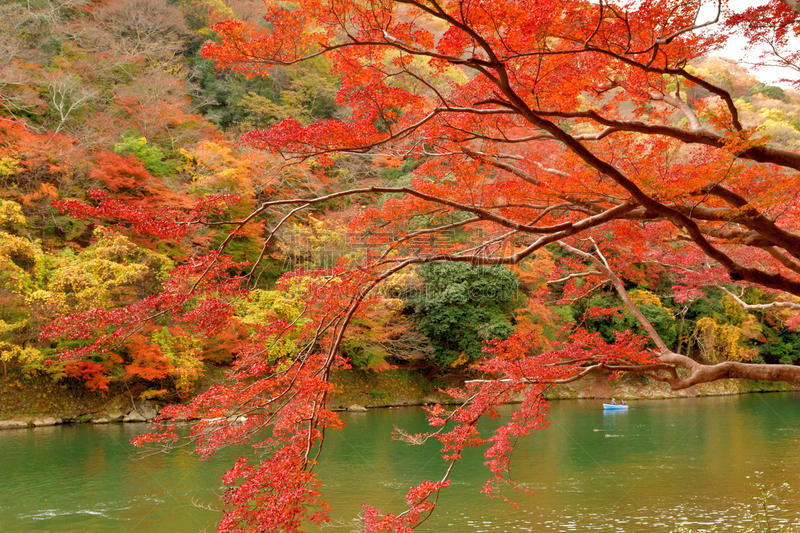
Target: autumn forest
x=511, y=196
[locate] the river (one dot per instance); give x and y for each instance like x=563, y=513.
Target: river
x=659, y=465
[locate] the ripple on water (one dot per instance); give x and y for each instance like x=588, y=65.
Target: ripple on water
x=52, y=513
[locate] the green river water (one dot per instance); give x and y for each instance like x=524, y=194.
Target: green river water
x=659, y=465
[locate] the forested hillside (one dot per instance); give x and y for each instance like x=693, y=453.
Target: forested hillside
x=113, y=101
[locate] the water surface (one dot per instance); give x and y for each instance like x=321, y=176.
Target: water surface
x=656, y=466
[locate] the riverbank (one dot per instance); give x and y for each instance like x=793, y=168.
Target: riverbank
x=31, y=401
x=400, y=387
x=34, y=401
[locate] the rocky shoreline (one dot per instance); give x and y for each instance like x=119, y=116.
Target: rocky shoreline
x=142, y=411
x=355, y=391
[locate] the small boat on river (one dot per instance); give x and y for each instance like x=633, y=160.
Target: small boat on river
x=613, y=407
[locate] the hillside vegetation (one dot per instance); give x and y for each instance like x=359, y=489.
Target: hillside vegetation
x=112, y=101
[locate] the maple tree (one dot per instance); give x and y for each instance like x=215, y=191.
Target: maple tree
x=560, y=126
x=526, y=81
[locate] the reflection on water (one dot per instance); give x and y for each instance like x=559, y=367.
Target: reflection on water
x=651, y=468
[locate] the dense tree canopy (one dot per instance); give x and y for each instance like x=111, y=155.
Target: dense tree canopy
x=588, y=153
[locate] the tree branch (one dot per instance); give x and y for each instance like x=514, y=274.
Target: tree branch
x=699, y=373
x=760, y=307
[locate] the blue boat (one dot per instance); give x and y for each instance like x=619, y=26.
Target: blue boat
x=613, y=407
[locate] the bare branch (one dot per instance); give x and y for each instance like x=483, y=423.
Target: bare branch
x=760, y=307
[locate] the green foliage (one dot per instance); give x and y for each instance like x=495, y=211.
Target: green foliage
x=159, y=162
x=365, y=356
x=781, y=346
x=460, y=306
x=608, y=325
x=219, y=92
x=770, y=91
x=230, y=100
x=565, y=312
x=662, y=321
x=401, y=176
